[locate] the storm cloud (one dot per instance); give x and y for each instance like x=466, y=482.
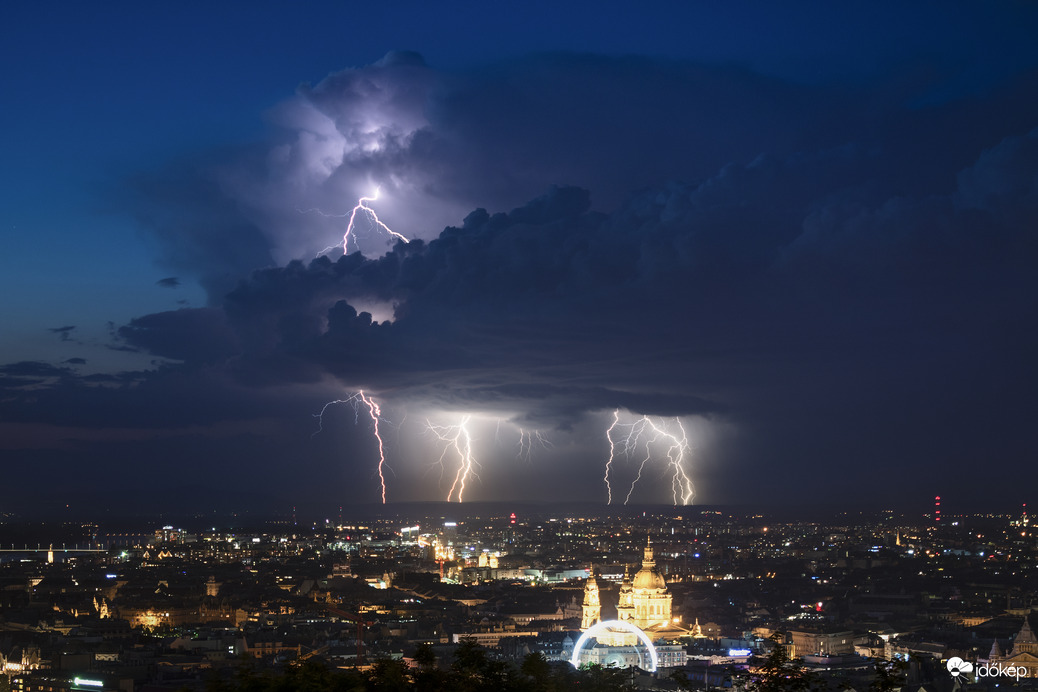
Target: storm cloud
x=842, y=275
x=438, y=144
x=774, y=281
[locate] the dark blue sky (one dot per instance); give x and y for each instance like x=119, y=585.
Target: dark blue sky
x=806, y=232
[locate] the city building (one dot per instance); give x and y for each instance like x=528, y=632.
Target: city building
x=645, y=601
x=592, y=605
x=1024, y=653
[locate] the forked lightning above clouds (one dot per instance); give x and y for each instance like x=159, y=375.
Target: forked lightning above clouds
x=367, y=212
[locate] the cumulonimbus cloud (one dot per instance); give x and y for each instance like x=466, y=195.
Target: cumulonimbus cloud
x=809, y=262
x=642, y=308
x=438, y=144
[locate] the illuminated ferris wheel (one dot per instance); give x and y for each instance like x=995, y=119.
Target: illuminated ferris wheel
x=614, y=645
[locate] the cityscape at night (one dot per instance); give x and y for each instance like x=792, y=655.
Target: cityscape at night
x=188, y=605
x=544, y=346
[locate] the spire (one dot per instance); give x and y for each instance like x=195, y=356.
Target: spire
x=626, y=595
x=591, y=591
x=591, y=585
x=996, y=652
x=648, y=562
x=591, y=608
x=1026, y=636
x=1025, y=641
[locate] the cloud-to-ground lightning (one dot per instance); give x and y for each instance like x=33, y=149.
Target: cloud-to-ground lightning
x=651, y=435
x=375, y=412
x=612, y=454
x=459, y=439
x=351, y=226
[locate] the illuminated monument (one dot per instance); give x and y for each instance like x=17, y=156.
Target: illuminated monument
x=643, y=618
x=645, y=602
x=1023, y=655
x=592, y=606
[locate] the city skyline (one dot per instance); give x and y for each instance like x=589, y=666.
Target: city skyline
x=702, y=255
x=705, y=596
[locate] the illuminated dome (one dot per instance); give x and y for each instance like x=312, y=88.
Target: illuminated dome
x=645, y=601
x=649, y=580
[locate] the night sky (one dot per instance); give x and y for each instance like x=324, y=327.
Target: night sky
x=805, y=234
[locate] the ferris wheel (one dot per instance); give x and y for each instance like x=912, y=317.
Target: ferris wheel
x=647, y=659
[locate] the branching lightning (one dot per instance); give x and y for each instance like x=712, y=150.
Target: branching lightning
x=368, y=213
x=528, y=439
x=375, y=412
x=651, y=434
x=459, y=440
x=612, y=454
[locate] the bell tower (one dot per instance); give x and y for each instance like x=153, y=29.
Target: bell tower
x=592, y=606
x=625, y=607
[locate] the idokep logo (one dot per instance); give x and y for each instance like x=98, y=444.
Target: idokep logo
x=956, y=666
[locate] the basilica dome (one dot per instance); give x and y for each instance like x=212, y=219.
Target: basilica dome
x=649, y=579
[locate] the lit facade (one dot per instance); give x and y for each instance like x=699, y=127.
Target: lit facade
x=644, y=602
x=592, y=605
x=1023, y=655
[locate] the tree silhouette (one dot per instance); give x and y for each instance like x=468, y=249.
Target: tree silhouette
x=778, y=673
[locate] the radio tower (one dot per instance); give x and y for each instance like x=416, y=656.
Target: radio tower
x=937, y=511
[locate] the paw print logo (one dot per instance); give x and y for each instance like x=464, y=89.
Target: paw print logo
x=957, y=667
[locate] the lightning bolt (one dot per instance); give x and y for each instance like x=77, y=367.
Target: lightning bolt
x=612, y=453
x=320, y=414
x=459, y=439
x=365, y=211
x=528, y=439
x=650, y=434
x=641, y=467
x=375, y=412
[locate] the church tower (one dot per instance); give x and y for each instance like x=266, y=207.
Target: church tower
x=1023, y=655
x=652, y=603
x=1025, y=641
x=625, y=606
x=592, y=606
